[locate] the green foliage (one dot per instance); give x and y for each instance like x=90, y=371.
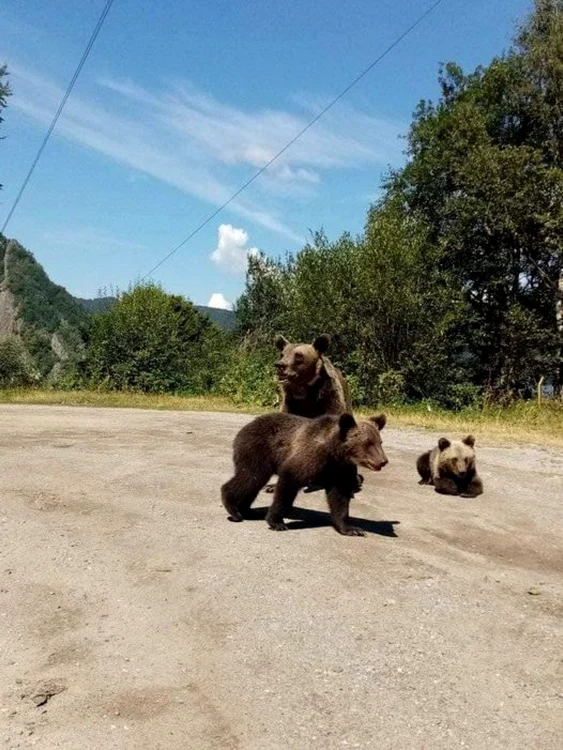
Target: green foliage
x=450, y=294
x=249, y=377
x=388, y=312
x=154, y=342
x=14, y=369
x=41, y=303
x=485, y=176
x=52, y=323
x=224, y=319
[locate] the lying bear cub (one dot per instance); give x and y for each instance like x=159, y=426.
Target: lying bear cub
x=324, y=452
x=450, y=467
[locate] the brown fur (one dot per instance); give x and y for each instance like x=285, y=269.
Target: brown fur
x=450, y=467
x=325, y=451
x=310, y=385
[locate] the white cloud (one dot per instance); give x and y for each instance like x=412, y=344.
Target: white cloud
x=188, y=139
x=232, y=252
x=217, y=300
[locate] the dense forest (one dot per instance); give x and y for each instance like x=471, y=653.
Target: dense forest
x=453, y=292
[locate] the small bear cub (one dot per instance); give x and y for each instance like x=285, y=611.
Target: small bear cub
x=325, y=451
x=450, y=467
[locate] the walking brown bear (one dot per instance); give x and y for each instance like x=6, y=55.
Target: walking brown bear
x=324, y=452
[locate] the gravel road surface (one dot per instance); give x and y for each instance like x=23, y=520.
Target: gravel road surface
x=133, y=615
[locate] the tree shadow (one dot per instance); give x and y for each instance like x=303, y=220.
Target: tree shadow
x=306, y=518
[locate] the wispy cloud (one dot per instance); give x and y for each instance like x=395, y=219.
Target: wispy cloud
x=88, y=239
x=188, y=139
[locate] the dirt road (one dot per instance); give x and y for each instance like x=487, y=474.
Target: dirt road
x=133, y=615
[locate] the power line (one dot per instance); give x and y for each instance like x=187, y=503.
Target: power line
x=83, y=59
x=290, y=143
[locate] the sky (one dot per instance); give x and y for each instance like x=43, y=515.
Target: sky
x=181, y=102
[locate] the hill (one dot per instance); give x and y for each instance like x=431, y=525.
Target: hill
x=44, y=321
x=225, y=319
x=43, y=316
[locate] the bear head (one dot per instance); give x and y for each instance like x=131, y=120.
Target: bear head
x=456, y=457
x=362, y=440
x=300, y=365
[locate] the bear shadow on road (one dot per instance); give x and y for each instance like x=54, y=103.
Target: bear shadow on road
x=306, y=518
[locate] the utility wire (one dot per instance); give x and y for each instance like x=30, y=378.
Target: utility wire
x=83, y=59
x=290, y=143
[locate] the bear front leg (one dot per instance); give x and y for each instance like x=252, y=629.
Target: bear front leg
x=474, y=488
x=446, y=486
x=339, y=505
x=284, y=494
x=423, y=468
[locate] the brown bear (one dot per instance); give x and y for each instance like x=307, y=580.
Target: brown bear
x=310, y=384
x=450, y=467
x=325, y=451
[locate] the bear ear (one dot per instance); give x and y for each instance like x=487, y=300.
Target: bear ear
x=281, y=342
x=443, y=443
x=380, y=420
x=321, y=343
x=469, y=440
x=346, y=423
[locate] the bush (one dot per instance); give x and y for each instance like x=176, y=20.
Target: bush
x=154, y=342
x=14, y=369
x=249, y=377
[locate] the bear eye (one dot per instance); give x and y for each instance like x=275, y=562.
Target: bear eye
x=298, y=357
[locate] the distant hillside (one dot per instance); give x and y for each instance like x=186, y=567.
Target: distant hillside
x=44, y=320
x=225, y=319
x=96, y=305
x=42, y=315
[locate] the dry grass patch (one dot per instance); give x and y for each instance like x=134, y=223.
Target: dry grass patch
x=523, y=422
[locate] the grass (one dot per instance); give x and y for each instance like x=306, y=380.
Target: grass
x=523, y=422
x=123, y=400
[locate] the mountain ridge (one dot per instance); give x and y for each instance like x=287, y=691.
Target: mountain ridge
x=225, y=319
x=47, y=322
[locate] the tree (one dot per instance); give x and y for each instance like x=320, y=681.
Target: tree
x=154, y=342
x=485, y=176
x=14, y=369
x=5, y=91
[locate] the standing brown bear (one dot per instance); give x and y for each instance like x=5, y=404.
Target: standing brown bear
x=450, y=467
x=324, y=451
x=310, y=384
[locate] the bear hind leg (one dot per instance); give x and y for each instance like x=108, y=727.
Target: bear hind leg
x=241, y=491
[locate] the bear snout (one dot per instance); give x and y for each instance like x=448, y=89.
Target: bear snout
x=376, y=465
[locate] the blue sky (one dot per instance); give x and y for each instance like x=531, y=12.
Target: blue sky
x=180, y=102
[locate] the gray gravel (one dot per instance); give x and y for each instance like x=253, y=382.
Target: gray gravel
x=134, y=615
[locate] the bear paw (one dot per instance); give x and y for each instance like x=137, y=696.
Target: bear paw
x=353, y=531
x=278, y=526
